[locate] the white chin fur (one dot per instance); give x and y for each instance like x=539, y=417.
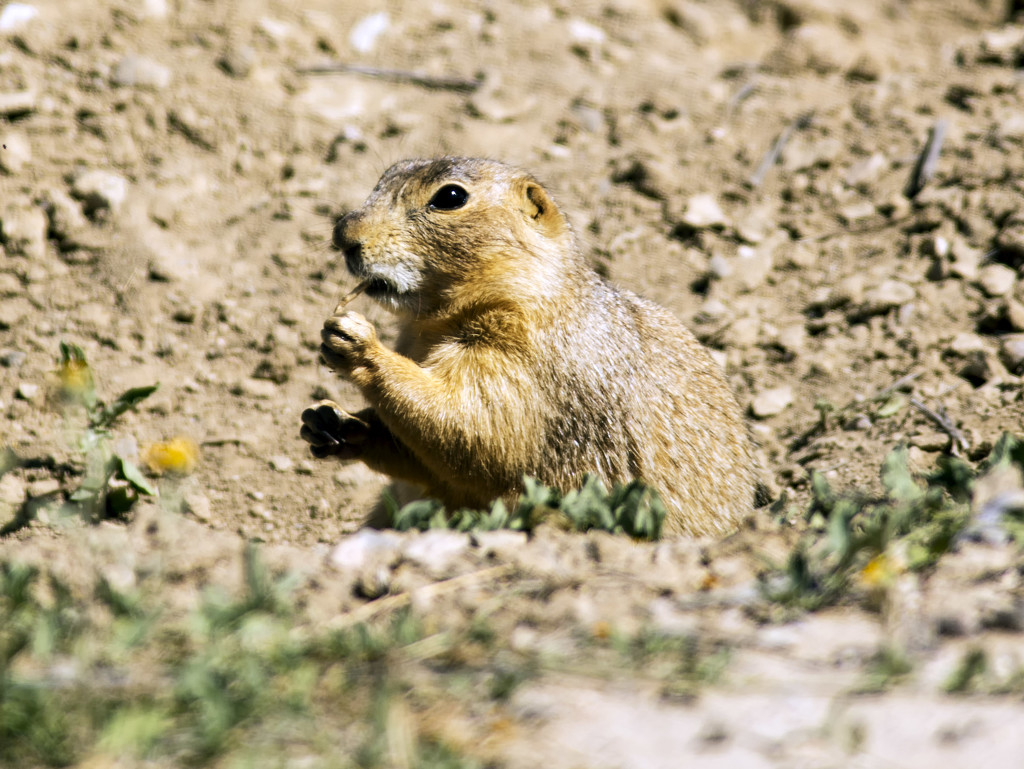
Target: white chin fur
x=404, y=279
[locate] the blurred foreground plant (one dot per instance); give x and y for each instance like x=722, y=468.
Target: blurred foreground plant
x=633, y=508
x=112, y=483
x=855, y=538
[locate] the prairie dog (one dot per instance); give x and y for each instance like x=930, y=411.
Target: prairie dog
x=514, y=357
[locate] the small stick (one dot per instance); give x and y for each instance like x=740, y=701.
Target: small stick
x=347, y=299
x=396, y=75
x=772, y=157
x=928, y=160
x=744, y=92
x=946, y=425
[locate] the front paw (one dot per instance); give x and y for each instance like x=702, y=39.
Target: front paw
x=331, y=431
x=346, y=340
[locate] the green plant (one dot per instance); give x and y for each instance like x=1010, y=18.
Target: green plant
x=848, y=530
x=111, y=483
x=632, y=508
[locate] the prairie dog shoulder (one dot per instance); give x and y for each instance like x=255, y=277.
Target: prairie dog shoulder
x=515, y=357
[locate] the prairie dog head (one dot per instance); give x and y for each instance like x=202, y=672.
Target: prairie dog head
x=433, y=231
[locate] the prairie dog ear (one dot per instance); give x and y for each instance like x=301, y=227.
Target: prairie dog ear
x=540, y=209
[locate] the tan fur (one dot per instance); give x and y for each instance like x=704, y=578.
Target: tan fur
x=515, y=358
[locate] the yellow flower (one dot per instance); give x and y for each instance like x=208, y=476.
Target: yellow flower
x=76, y=381
x=178, y=455
x=881, y=571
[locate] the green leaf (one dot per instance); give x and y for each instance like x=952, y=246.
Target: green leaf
x=417, y=514
x=8, y=461
x=896, y=476
x=104, y=417
x=893, y=406
x=955, y=476
x=134, y=476
x=824, y=499
x=1008, y=449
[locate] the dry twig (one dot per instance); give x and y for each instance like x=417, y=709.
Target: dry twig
x=773, y=154
x=944, y=423
x=928, y=160
x=394, y=75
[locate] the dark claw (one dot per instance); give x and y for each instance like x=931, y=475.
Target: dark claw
x=331, y=431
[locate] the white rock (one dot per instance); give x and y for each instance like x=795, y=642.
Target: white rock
x=281, y=463
x=140, y=72
x=703, y=211
x=364, y=34
x=15, y=152
x=753, y=263
x=260, y=389
x=100, y=190
x=275, y=29
x=153, y=9
x=966, y=343
x=435, y=549
x=10, y=285
x=23, y=229
x=198, y=504
x=857, y=211
x=27, y=391
x=16, y=103
x=719, y=266
x=996, y=279
x=886, y=295
x=768, y=403
x=585, y=33
x=866, y=170
x=12, y=490
x=501, y=542
x=1012, y=348
x=13, y=312
x=357, y=551
x=14, y=16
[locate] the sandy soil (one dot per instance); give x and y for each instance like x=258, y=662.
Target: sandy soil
x=168, y=180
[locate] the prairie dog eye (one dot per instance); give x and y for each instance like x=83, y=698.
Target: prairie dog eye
x=449, y=197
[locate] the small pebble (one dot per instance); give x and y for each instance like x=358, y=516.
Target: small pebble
x=857, y=211
x=43, y=487
x=865, y=171
x=1012, y=352
x=930, y=441
x=281, y=463
x=703, y=211
x=23, y=229
x=15, y=152
x=152, y=9
x=14, y=16
x=12, y=358
x=260, y=389
x=17, y=103
x=996, y=279
x=275, y=29
x=355, y=552
x=197, y=504
x=885, y=296
x=100, y=191
x=768, y=403
x=27, y=391
x=238, y=61
x=140, y=72
x=364, y=34
x=435, y=549
x=585, y=33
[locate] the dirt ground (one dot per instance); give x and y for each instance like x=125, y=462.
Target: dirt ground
x=168, y=180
